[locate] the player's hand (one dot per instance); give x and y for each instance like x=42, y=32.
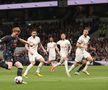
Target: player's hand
x=31, y=44
x=45, y=52
x=84, y=46
x=94, y=49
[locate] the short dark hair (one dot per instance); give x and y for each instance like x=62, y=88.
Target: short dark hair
x=50, y=36
x=63, y=33
x=87, y=28
x=34, y=30
x=16, y=29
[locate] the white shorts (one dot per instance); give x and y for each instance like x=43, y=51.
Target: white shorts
x=63, y=55
x=34, y=57
x=52, y=57
x=80, y=54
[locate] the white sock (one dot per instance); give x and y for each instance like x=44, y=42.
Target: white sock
x=39, y=67
x=66, y=65
x=57, y=64
x=71, y=68
x=52, y=63
x=85, y=68
x=28, y=68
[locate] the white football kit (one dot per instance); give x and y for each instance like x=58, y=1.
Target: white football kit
x=35, y=41
x=82, y=52
x=51, y=48
x=64, y=48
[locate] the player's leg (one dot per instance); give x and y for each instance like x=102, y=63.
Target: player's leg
x=28, y=68
x=52, y=62
x=78, y=58
x=57, y=64
x=42, y=61
x=73, y=66
x=10, y=64
x=39, y=69
x=32, y=62
x=66, y=66
x=81, y=67
x=7, y=63
x=89, y=60
x=60, y=62
x=51, y=59
x=3, y=64
x=86, y=67
x=19, y=70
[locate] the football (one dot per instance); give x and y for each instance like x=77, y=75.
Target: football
x=18, y=80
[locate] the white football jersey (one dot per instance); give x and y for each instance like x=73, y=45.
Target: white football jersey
x=64, y=46
x=51, y=47
x=35, y=41
x=83, y=41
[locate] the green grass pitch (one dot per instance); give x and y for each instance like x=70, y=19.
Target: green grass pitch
x=98, y=80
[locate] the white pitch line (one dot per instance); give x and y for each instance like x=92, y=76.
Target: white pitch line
x=94, y=78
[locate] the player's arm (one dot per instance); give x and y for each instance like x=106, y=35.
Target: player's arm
x=4, y=39
x=57, y=49
x=27, y=47
x=47, y=48
x=70, y=48
x=91, y=47
x=42, y=48
x=79, y=45
x=23, y=41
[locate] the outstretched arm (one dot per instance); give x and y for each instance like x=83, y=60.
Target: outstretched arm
x=23, y=41
x=4, y=39
x=42, y=48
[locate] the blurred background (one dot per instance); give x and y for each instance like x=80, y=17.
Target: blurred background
x=67, y=17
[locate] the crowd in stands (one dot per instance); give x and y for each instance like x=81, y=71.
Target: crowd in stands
x=18, y=1
x=73, y=31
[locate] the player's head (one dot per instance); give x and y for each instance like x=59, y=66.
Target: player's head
x=16, y=31
x=51, y=39
x=34, y=33
x=63, y=36
x=85, y=32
